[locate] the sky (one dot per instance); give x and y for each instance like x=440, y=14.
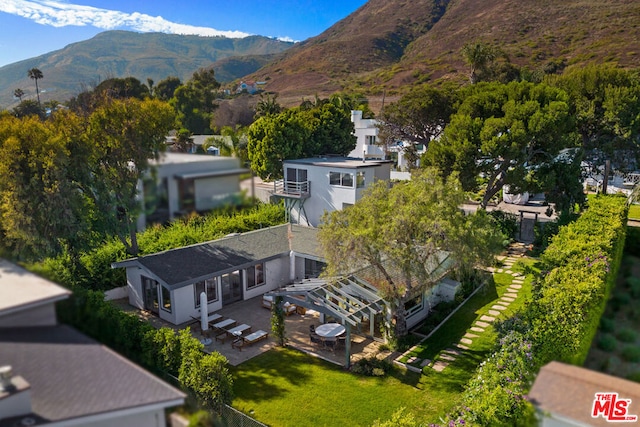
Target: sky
x=34, y=27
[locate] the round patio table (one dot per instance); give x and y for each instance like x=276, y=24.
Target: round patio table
x=330, y=330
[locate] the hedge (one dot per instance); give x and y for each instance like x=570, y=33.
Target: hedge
x=569, y=298
x=93, y=271
x=162, y=351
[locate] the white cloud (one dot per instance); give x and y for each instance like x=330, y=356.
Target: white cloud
x=59, y=14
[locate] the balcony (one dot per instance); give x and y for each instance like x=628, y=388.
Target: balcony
x=293, y=189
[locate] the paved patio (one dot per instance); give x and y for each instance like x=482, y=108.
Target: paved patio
x=254, y=314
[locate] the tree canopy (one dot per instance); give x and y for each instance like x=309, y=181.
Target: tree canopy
x=307, y=131
x=400, y=233
x=502, y=135
x=71, y=179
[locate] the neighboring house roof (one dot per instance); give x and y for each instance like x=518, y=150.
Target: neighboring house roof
x=183, y=266
x=567, y=392
x=32, y=292
x=339, y=162
x=72, y=376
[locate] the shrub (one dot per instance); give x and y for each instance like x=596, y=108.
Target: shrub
x=631, y=354
x=635, y=376
x=507, y=223
x=634, y=286
x=627, y=335
x=372, y=367
x=607, y=325
x=607, y=342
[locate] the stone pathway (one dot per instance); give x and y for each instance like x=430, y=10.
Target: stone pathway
x=449, y=355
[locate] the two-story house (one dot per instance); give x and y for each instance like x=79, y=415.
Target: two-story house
x=312, y=186
x=366, y=132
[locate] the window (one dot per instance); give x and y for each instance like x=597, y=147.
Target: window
x=187, y=194
x=344, y=179
x=255, y=276
x=414, y=305
x=312, y=268
x=166, y=299
x=360, y=180
x=370, y=139
x=150, y=294
x=210, y=287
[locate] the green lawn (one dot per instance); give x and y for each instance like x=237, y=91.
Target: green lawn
x=285, y=387
x=634, y=212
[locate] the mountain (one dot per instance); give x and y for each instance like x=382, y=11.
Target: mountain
x=121, y=54
x=387, y=45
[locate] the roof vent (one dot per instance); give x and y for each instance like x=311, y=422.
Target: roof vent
x=6, y=373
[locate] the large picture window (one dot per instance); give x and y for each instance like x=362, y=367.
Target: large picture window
x=255, y=276
x=210, y=287
x=360, y=180
x=166, y=299
x=344, y=179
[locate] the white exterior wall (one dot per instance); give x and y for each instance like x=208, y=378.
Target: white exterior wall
x=432, y=296
x=327, y=197
x=362, y=129
x=276, y=274
x=134, y=284
x=214, y=191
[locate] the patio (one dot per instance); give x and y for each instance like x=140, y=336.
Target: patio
x=251, y=312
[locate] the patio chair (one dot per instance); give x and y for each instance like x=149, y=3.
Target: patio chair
x=289, y=308
x=250, y=339
x=312, y=329
x=330, y=344
x=316, y=339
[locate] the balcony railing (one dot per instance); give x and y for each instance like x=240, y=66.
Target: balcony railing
x=292, y=188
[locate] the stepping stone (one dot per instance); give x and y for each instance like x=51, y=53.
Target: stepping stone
x=499, y=307
x=513, y=290
x=507, y=299
x=470, y=335
x=500, y=270
x=466, y=341
x=477, y=329
x=508, y=271
x=516, y=286
x=510, y=294
x=440, y=365
x=462, y=346
x=517, y=276
x=505, y=304
x=425, y=362
x=501, y=257
x=452, y=351
x=494, y=313
x=448, y=357
x=481, y=323
x=412, y=359
x=490, y=269
x=486, y=318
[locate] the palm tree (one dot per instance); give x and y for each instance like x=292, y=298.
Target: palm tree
x=478, y=55
x=35, y=74
x=18, y=93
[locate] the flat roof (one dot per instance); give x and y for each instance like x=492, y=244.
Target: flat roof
x=21, y=289
x=339, y=162
x=211, y=174
x=174, y=158
x=72, y=376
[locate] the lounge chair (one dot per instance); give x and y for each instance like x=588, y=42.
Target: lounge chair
x=330, y=344
x=235, y=332
x=250, y=339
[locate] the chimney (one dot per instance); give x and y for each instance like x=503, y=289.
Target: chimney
x=15, y=394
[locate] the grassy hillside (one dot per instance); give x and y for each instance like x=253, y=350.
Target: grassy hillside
x=123, y=54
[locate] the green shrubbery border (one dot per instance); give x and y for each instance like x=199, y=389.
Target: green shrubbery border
x=569, y=298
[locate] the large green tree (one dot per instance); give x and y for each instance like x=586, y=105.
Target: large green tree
x=502, y=134
x=400, y=232
x=194, y=101
x=605, y=102
x=314, y=129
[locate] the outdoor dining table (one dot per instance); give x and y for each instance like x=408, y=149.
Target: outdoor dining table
x=330, y=330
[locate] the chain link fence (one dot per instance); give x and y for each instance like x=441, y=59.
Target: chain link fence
x=233, y=418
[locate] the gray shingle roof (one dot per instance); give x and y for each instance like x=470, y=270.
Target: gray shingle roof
x=185, y=265
x=73, y=376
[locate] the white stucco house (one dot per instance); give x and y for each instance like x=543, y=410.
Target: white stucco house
x=51, y=374
x=181, y=183
x=366, y=132
x=242, y=266
x=315, y=185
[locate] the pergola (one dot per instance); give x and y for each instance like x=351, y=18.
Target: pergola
x=350, y=299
